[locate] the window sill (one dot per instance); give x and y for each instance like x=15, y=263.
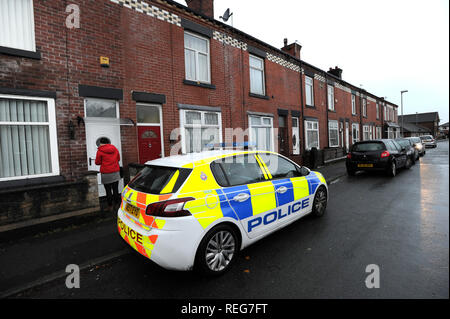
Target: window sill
x=21, y=53
x=310, y=106
x=259, y=96
x=199, y=84
x=332, y=111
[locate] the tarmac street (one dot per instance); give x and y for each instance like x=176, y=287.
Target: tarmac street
x=381, y=237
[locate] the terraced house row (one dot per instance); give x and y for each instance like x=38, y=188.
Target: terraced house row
x=156, y=78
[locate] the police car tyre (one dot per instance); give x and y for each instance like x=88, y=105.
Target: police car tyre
x=320, y=202
x=217, y=250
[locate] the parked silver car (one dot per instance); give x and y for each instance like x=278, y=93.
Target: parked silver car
x=417, y=143
x=428, y=141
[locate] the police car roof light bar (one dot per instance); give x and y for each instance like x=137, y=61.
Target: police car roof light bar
x=244, y=145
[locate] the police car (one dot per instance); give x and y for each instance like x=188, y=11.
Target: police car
x=197, y=211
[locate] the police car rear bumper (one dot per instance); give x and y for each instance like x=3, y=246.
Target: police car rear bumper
x=172, y=246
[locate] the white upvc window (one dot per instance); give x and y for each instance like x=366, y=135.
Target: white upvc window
x=261, y=132
x=28, y=140
x=333, y=133
x=331, y=97
x=378, y=111
x=199, y=129
x=311, y=134
x=309, y=90
x=364, y=107
x=197, y=58
x=17, y=24
x=366, y=132
x=353, y=104
x=378, y=129
x=355, y=132
x=257, y=82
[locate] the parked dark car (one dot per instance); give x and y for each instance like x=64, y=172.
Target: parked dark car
x=377, y=155
x=417, y=143
x=410, y=149
x=428, y=141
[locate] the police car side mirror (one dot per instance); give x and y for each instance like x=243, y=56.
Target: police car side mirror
x=304, y=171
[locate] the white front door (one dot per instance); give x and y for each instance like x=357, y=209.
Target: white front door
x=104, y=123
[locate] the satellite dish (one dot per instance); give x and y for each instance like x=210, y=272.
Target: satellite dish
x=226, y=15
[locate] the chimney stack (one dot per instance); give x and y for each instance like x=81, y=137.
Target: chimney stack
x=293, y=48
x=205, y=7
x=336, y=72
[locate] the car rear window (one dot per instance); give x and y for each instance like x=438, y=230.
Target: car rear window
x=416, y=140
x=367, y=147
x=404, y=143
x=159, y=179
x=426, y=137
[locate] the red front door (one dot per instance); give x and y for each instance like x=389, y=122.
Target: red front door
x=149, y=140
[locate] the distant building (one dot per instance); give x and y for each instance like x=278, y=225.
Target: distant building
x=443, y=129
x=417, y=123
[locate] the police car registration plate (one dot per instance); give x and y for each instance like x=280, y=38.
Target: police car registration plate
x=133, y=210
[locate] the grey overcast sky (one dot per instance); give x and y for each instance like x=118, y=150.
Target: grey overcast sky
x=384, y=45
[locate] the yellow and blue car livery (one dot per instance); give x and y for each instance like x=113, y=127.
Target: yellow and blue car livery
x=198, y=192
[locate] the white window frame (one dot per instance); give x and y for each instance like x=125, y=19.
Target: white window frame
x=378, y=111
x=52, y=131
x=196, y=53
x=260, y=70
x=335, y=127
x=309, y=87
x=330, y=95
x=306, y=133
x=30, y=16
x=100, y=99
x=354, y=140
x=160, y=124
x=183, y=125
x=378, y=132
x=353, y=104
x=366, y=131
x=262, y=125
x=364, y=108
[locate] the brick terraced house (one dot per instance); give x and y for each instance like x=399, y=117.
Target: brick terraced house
x=157, y=78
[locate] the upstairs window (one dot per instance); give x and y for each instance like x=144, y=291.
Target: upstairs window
x=353, y=104
x=309, y=88
x=196, y=57
x=257, y=85
x=17, y=24
x=331, y=97
x=364, y=108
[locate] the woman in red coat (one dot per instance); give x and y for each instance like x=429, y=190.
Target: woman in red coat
x=108, y=158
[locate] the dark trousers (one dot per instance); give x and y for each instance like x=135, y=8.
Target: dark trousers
x=112, y=192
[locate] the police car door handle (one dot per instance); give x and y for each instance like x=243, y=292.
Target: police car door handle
x=242, y=197
x=282, y=189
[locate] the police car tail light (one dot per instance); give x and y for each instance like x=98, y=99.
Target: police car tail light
x=169, y=208
x=385, y=154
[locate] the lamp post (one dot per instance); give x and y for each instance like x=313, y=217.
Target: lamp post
x=401, y=96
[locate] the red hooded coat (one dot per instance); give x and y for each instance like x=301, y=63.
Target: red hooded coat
x=108, y=158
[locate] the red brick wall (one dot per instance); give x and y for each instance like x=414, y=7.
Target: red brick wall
x=147, y=54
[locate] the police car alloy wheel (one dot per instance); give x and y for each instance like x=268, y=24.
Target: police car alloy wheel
x=320, y=202
x=217, y=251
